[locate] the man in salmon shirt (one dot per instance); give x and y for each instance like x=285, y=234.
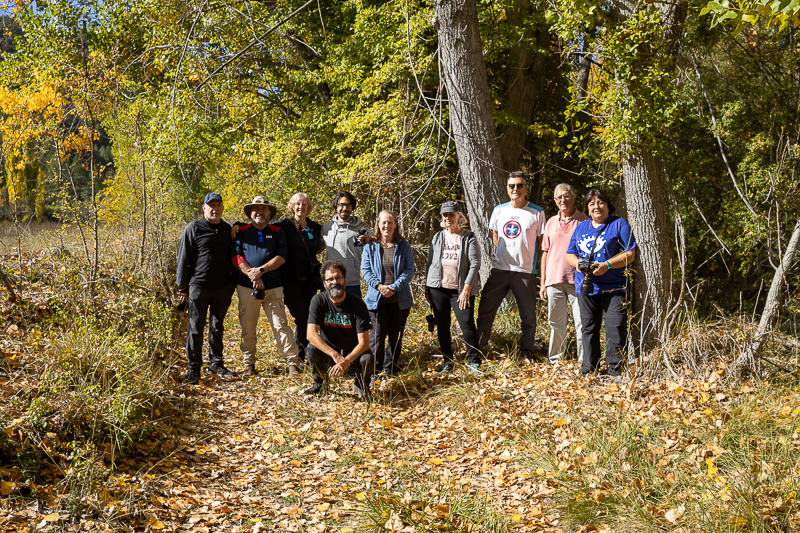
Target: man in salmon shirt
x=558, y=278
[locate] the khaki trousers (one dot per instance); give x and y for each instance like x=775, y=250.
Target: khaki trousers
x=249, y=312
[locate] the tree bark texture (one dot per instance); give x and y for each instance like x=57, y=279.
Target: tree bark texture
x=523, y=84
x=646, y=202
x=771, y=307
x=471, y=119
x=647, y=196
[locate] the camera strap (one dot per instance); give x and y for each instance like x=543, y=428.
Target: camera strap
x=602, y=229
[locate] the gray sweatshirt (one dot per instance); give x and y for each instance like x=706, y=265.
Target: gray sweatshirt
x=338, y=239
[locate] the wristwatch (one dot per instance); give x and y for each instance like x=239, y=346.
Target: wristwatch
x=261, y=269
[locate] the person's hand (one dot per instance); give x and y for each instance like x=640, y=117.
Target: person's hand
x=463, y=298
x=340, y=368
x=234, y=230
x=428, y=294
x=253, y=274
x=364, y=239
x=599, y=268
x=183, y=296
x=385, y=291
x=258, y=284
x=543, y=293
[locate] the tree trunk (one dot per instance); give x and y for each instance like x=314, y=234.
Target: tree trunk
x=471, y=118
x=523, y=83
x=747, y=358
x=645, y=194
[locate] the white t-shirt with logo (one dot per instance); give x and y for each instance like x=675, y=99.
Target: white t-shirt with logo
x=450, y=252
x=518, y=229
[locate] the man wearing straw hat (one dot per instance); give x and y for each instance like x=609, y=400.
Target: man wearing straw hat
x=257, y=251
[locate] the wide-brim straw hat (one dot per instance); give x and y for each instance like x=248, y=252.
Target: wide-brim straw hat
x=261, y=200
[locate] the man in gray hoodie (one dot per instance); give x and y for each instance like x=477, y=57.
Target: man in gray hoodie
x=344, y=237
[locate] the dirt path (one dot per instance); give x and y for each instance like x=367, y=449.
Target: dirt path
x=254, y=456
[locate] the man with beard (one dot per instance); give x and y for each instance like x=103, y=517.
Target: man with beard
x=338, y=334
x=345, y=236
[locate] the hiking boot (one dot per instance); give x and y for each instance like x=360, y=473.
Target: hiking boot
x=317, y=388
x=294, y=371
x=475, y=369
x=193, y=377
x=221, y=371
x=249, y=371
x=447, y=367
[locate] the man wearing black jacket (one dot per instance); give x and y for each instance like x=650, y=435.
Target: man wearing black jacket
x=206, y=280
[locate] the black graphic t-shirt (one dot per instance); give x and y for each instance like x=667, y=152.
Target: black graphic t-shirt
x=341, y=323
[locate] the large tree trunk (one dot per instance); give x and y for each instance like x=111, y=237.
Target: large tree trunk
x=748, y=356
x=471, y=118
x=523, y=84
x=646, y=192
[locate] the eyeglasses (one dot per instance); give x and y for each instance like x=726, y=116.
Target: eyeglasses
x=344, y=204
x=516, y=185
x=448, y=215
x=333, y=280
x=565, y=197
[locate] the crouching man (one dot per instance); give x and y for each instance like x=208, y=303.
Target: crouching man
x=338, y=334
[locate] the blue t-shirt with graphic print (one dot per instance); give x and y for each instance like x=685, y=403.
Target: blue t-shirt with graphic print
x=616, y=237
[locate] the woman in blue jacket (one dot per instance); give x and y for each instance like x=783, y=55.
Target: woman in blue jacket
x=387, y=266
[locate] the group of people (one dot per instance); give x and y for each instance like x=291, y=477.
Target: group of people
x=583, y=261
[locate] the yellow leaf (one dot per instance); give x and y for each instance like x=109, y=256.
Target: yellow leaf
x=560, y=422
x=540, y=471
x=516, y=518
x=361, y=496
x=6, y=487
x=52, y=517
x=157, y=525
x=346, y=530
x=452, y=457
x=435, y=461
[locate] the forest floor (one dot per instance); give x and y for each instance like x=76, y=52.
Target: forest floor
x=523, y=447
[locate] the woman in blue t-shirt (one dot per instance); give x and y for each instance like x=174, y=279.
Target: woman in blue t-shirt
x=603, y=247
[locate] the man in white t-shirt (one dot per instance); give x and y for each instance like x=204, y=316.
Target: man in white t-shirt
x=517, y=228
x=558, y=278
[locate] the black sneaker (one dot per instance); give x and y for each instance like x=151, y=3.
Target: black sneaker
x=193, y=377
x=317, y=388
x=221, y=371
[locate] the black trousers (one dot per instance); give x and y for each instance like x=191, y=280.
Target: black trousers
x=297, y=296
x=361, y=369
x=201, y=302
x=593, y=310
x=525, y=288
x=387, y=321
x=442, y=300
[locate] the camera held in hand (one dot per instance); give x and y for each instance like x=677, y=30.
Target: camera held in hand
x=257, y=294
x=431, y=323
x=361, y=232
x=588, y=277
